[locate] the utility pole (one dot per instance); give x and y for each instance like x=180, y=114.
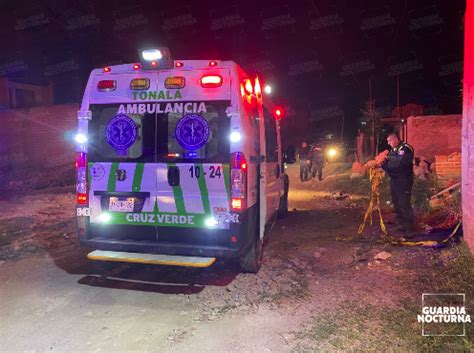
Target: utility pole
x=371, y=109
x=398, y=103
x=342, y=128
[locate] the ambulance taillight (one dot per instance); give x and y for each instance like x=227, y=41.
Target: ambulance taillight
x=238, y=181
x=106, y=85
x=81, y=178
x=210, y=81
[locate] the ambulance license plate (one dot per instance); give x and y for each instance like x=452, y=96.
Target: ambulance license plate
x=116, y=205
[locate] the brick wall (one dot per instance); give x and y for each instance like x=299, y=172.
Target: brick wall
x=468, y=128
x=448, y=166
x=38, y=137
x=433, y=135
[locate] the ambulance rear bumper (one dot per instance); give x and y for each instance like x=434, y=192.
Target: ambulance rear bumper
x=165, y=248
x=221, y=243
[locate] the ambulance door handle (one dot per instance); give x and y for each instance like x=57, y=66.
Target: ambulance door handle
x=173, y=176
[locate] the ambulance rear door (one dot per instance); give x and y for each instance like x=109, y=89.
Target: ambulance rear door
x=122, y=167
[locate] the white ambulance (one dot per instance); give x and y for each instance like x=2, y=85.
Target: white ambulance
x=178, y=162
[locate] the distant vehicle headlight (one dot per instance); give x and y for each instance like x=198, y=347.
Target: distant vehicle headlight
x=332, y=152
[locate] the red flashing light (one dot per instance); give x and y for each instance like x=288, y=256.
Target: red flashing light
x=238, y=161
x=81, y=199
x=233, y=239
x=179, y=64
x=238, y=181
x=242, y=90
x=173, y=155
x=81, y=178
x=212, y=63
x=136, y=66
x=248, y=86
x=154, y=63
x=211, y=81
x=258, y=88
x=107, y=69
x=278, y=112
x=107, y=85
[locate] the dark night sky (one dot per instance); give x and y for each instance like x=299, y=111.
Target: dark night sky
x=318, y=54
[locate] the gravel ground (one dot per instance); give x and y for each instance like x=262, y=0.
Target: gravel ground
x=313, y=293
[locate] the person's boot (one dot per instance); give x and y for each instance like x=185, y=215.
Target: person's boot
x=409, y=233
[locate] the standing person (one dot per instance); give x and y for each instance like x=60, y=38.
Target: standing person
x=399, y=166
x=304, y=154
x=317, y=161
x=290, y=154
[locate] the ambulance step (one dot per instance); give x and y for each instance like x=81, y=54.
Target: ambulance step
x=170, y=260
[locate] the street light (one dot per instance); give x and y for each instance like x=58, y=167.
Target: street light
x=268, y=89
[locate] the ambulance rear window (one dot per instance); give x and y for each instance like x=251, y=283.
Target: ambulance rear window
x=164, y=132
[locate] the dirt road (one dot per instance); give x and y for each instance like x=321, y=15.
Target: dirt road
x=313, y=293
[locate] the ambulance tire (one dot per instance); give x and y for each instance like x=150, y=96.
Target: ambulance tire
x=252, y=260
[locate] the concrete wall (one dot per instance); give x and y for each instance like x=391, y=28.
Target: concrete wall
x=37, y=137
x=468, y=128
x=432, y=135
x=448, y=166
x=43, y=95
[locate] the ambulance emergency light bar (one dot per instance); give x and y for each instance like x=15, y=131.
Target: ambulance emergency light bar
x=156, y=58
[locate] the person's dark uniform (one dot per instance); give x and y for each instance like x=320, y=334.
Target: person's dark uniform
x=290, y=154
x=317, y=161
x=304, y=153
x=399, y=166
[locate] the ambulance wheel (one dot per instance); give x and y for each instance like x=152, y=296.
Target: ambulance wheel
x=252, y=260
